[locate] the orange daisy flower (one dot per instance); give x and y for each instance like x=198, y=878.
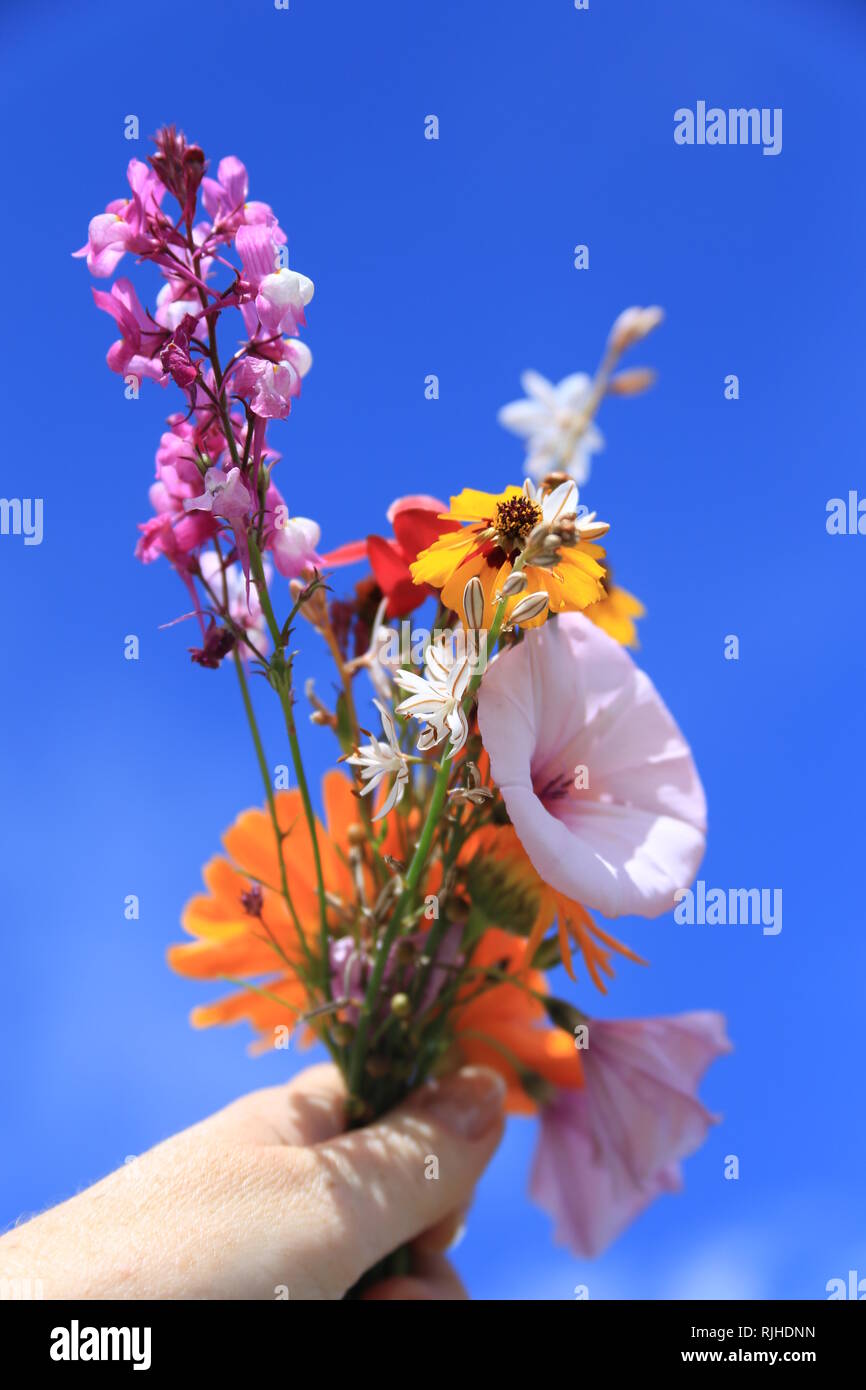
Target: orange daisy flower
x=243, y=927
x=495, y=530
x=507, y=1028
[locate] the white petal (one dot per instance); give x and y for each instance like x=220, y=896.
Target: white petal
x=560, y=503
x=534, y=384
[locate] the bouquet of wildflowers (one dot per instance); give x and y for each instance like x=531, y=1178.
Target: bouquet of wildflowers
x=500, y=776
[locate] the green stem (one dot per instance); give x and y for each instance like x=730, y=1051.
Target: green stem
x=413, y=876
x=281, y=679
x=285, y=696
x=272, y=805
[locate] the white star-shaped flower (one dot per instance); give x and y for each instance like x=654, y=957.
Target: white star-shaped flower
x=378, y=759
x=436, y=699
x=553, y=421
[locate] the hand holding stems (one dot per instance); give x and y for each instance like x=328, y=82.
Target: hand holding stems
x=271, y=1199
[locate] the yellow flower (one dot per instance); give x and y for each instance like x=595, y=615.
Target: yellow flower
x=538, y=532
x=615, y=614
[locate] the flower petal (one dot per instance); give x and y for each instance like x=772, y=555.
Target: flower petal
x=569, y=696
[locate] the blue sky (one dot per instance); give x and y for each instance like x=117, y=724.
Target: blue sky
x=455, y=257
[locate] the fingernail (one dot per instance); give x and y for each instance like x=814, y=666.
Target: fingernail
x=469, y=1103
x=456, y=1239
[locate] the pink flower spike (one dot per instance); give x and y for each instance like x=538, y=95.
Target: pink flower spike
x=627, y=832
x=609, y=1148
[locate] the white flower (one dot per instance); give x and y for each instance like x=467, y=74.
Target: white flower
x=560, y=505
x=552, y=419
x=377, y=759
x=437, y=698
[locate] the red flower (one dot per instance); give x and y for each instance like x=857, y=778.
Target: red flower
x=417, y=523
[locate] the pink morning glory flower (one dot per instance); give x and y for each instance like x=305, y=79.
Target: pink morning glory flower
x=597, y=779
x=609, y=1148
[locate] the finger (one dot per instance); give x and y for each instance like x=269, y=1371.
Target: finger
x=307, y=1110
x=445, y=1235
x=374, y=1189
x=432, y=1278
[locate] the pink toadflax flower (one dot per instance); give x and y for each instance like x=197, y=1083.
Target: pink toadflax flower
x=227, y=495
x=610, y=1147
x=225, y=198
x=597, y=779
x=280, y=294
x=291, y=540
x=125, y=224
x=270, y=385
x=137, y=352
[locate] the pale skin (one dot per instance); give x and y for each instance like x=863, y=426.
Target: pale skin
x=271, y=1198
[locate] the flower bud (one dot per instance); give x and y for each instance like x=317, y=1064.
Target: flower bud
x=589, y=528
x=401, y=1005
x=633, y=382
x=514, y=584
x=562, y=1014
x=553, y=480
x=530, y=607
x=314, y=606
x=632, y=325
x=473, y=603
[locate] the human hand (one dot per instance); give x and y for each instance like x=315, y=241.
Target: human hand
x=271, y=1198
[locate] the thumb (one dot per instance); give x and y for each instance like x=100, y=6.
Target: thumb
x=379, y=1187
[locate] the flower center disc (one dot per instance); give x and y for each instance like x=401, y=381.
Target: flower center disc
x=516, y=518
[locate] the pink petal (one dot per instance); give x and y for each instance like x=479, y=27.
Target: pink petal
x=569, y=695
x=609, y=1149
